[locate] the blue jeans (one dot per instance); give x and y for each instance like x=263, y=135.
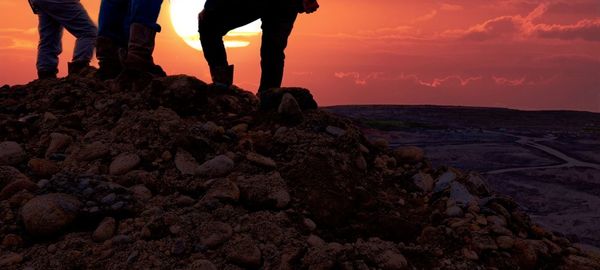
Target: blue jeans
x=54, y=16
x=116, y=17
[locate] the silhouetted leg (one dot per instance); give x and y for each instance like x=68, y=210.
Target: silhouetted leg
x=50, y=45
x=112, y=21
x=277, y=28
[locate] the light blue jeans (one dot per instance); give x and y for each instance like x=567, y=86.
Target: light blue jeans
x=55, y=16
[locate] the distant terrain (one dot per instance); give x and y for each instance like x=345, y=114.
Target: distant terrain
x=549, y=161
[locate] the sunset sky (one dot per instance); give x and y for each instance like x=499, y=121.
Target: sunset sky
x=504, y=53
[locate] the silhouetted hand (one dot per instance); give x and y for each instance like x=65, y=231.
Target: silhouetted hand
x=310, y=6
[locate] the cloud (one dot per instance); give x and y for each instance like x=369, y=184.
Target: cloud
x=426, y=17
x=508, y=82
x=519, y=27
x=12, y=43
x=357, y=77
x=451, y=7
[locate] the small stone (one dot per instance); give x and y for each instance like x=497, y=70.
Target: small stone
x=17, y=186
x=409, y=154
x=51, y=248
x=105, y=230
x=178, y=247
x=175, y=229
x=265, y=191
x=117, y=205
x=48, y=214
x=454, y=211
x=11, y=153
x=261, y=160
x=361, y=163
x=186, y=163
x=203, y=265
x=218, y=166
x=213, y=129
x=309, y=224
x=499, y=230
x=12, y=240
x=109, y=199
x=213, y=234
x=58, y=142
x=92, y=151
x=335, y=131
x=43, y=167
x=289, y=108
x=223, y=190
x=470, y=254
x=245, y=253
x=185, y=200
x=391, y=260
x=525, y=254
x=423, y=181
x=505, y=242
x=141, y=192
x=11, y=259
x=124, y=163
x=315, y=241
x=10, y=174
x=443, y=182
x=381, y=144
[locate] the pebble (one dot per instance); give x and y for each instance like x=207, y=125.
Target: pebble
x=335, y=131
x=315, y=241
x=505, y=242
x=58, y=142
x=186, y=163
x=141, y=192
x=11, y=153
x=203, y=265
x=469, y=254
x=109, y=199
x=381, y=143
x=48, y=214
x=92, y=151
x=124, y=163
x=11, y=259
x=105, y=230
x=261, y=160
x=12, y=240
x=409, y=154
x=454, y=211
x=424, y=181
x=184, y=200
x=309, y=224
x=289, y=108
x=213, y=234
x=223, y=190
x=17, y=186
x=245, y=253
x=43, y=167
x=218, y=166
x=10, y=174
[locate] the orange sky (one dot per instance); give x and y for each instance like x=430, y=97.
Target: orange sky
x=508, y=53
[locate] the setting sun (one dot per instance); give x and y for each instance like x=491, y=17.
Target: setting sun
x=184, y=17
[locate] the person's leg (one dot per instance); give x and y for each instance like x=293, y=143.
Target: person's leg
x=277, y=26
x=111, y=37
x=143, y=15
x=49, y=47
x=218, y=18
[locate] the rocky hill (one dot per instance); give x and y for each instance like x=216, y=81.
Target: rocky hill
x=175, y=174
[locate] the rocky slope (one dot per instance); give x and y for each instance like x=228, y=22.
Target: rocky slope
x=174, y=174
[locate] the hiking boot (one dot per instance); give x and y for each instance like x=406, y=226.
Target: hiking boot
x=107, y=53
x=222, y=76
x=139, y=54
x=77, y=67
x=47, y=74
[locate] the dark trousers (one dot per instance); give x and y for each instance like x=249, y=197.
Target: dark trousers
x=222, y=16
x=116, y=17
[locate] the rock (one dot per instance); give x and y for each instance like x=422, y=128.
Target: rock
x=203, y=265
x=185, y=201
x=186, y=163
x=11, y=153
x=92, y=151
x=12, y=240
x=244, y=252
x=212, y=129
x=505, y=242
x=289, y=108
x=483, y=243
x=58, y=142
x=43, y=167
x=17, y=186
x=409, y=154
x=361, y=163
x=218, y=166
x=469, y=254
x=460, y=194
x=10, y=174
x=264, y=191
x=423, y=181
x=105, y=230
x=391, y=260
x=49, y=214
x=476, y=183
x=178, y=248
x=109, y=199
x=309, y=224
x=271, y=99
x=525, y=254
x=335, y=131
x=444, y=181
x=214, y=234
x=315, y=241
x=261, y=160
x=10, y=259
x=141, y=192
x=381, y=143
x=454, y=211
x=223, y=190
x=124, y=163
